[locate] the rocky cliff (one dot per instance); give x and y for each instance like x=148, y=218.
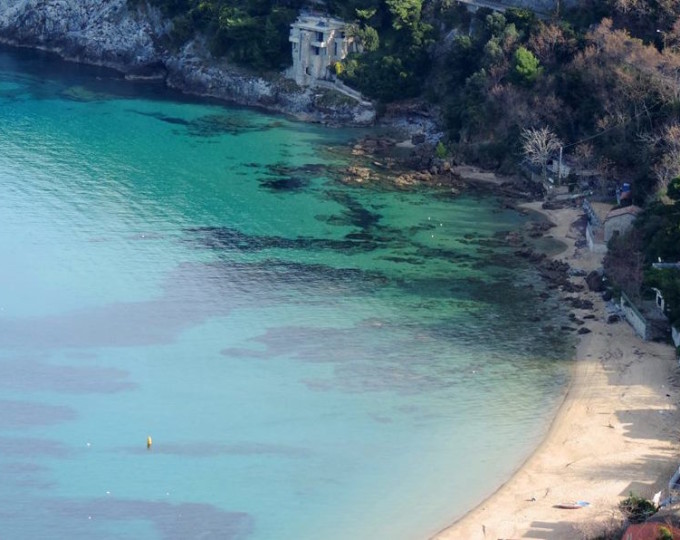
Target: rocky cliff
x=108, y=33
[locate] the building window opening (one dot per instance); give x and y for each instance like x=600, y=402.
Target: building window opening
x=319, y=36
x=315, y=51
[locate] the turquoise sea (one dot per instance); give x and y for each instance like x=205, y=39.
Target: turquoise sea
x=312, y=360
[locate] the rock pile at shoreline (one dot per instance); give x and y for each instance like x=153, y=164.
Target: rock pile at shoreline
x=379, y=161
x=559, y=276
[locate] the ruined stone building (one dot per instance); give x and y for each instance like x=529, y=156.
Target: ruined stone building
x=317, y=44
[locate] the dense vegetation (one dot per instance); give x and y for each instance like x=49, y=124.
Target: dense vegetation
x=610, y=94
x=253, y=33
x=602, y=81
x=394, y=36
x=396, y=40
x=605, y=78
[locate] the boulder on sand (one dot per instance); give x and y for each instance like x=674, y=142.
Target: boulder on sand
x=595, y=282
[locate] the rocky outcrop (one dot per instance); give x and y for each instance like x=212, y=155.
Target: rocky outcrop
x=108, y=33
x=91, y=31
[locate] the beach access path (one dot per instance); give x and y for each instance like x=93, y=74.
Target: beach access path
x=616, y=431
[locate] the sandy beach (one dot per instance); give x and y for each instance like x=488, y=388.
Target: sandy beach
x=617, y=430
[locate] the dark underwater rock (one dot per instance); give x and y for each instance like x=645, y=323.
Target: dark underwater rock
x=285, y=184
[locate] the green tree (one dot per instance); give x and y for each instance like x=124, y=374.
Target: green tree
x=366, y=14
x=368, y=37
x=659, y=226
x=494, y=24
x=463, y=59
x=673, y=190
x=526, y=66
x=405, y=13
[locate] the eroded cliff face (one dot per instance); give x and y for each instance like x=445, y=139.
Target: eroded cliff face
x=108, y=33
x=94, y=31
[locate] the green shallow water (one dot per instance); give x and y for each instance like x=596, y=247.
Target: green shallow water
x=312, y=360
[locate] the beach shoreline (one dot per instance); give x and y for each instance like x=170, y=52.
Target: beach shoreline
x=614, y=432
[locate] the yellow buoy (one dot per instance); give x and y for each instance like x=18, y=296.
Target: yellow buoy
x=149, y=442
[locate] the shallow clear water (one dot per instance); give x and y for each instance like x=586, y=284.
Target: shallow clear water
x=312, y=360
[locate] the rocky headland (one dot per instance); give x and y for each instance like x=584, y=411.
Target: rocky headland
x=133, y=41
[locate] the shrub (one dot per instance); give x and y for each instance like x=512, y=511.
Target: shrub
x=527, y=68
x=673, y=190
x=440, y=151
x=664, y=534
x=637, y=509
x=182, y=30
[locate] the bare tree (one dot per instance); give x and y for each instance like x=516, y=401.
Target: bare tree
x=584, y=153
x=547, y=41
x=539, y=145
x=672, y=37
x=666, y=144
x=605, y=168
x=624, y=262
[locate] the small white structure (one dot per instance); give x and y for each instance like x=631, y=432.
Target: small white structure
x=666, y=265
x=619, y=221
x=660, y=302
x=675, y=331
x=596, y=213
x=318, y=43
x=559, y=172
